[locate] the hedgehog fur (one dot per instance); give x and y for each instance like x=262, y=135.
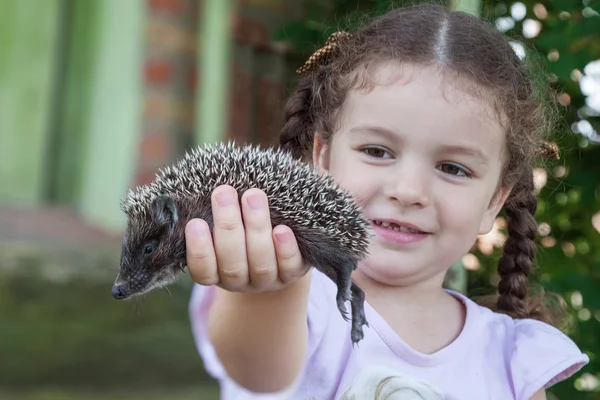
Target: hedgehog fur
x=330, y=229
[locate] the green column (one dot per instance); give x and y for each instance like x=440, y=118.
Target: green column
x=214, y=50
x=28, y=39
x=114, y=121
x=71, y=131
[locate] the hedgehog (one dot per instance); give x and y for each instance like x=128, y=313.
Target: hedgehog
x=330, y=229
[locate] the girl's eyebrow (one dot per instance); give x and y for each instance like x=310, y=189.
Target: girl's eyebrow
x=468, y=151
x=374, y=129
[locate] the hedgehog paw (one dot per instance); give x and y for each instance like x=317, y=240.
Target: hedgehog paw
x=356, y=335
x=341, y=304
x=344, y=293
x=358, y=313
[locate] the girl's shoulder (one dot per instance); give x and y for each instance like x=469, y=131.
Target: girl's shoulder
x=543, y=355
x=537, y=355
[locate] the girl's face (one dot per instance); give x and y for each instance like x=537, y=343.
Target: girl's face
x=424, y=160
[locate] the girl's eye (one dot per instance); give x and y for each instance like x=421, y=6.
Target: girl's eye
x=454, y=169
x=376, y=152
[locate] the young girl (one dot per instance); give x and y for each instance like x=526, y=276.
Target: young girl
x=428, y=117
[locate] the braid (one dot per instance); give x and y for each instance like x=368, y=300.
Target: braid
x=298, y=132
x=515, y=297
x=519, y=251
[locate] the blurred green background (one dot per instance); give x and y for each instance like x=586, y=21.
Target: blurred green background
x=96, y=94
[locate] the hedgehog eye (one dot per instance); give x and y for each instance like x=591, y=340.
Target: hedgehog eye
x=148, y=249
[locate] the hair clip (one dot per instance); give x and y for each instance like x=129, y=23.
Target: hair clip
x=550, y=150
x=322, y=53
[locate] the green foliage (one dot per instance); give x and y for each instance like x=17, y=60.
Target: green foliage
x=569, y=251
x=322, y=18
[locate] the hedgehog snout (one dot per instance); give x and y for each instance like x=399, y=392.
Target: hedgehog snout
x=118, y=291
x=130, y=283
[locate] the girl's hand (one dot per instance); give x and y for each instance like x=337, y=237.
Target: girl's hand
x=243, y=254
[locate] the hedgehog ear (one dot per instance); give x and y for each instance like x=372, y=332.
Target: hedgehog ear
x=165, y=211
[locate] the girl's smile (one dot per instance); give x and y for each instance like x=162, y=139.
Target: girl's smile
x=399, y=232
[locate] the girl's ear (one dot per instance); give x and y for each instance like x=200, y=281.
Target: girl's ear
x=490, y=214
x=320, y=154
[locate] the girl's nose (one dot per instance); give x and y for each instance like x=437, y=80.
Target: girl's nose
x=409, y=186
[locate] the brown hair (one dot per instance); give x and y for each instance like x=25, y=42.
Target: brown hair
x=432, y=35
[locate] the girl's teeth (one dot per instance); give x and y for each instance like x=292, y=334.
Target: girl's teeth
x=396, y=228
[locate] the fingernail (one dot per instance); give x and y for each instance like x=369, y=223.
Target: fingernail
x=197, y=228
x=224, y=199
x=283, y=237
x=255, y=202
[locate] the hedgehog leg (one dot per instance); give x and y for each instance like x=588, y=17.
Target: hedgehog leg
x=344, y=292
x=358, y=313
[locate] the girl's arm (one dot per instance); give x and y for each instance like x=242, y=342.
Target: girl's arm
x=257, y=322
x=261, y=338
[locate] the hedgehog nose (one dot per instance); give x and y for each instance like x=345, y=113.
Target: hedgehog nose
x=118, y=292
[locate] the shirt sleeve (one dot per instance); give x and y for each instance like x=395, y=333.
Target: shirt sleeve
x=200, y=303
x=542, y=356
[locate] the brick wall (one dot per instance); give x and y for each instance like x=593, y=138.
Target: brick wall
x=169, y=82
x=257, y=85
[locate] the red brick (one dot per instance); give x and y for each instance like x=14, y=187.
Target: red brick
x=192, y=78
x=166, y=5
x=144, y=176
x=154, y=147
x=162, y=107
x=155, y=106
x=171, y=43
x=168, y=36
x=158, y=71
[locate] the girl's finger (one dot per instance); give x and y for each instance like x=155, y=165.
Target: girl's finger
x=229, y=239
x=200, y=254
x=259, y=240
x=291, y=266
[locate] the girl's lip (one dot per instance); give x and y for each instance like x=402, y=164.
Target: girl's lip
x=399, y=237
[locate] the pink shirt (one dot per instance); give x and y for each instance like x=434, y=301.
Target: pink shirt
x=494, y=357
